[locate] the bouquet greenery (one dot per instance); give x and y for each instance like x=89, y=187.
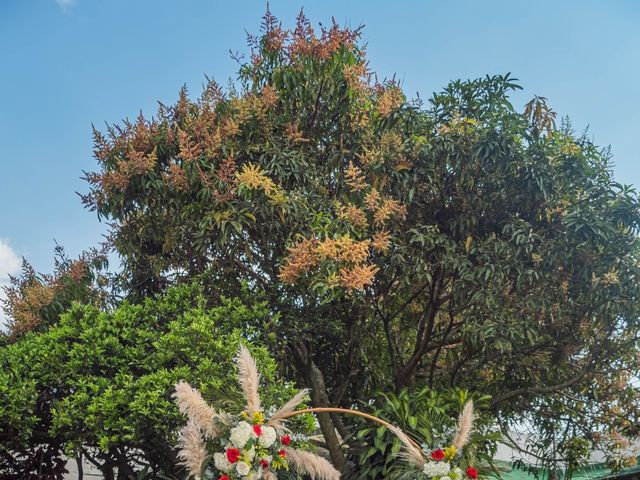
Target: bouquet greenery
x=256, y=444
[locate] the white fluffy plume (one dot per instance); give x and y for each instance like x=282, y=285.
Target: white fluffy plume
x=277, y=419
x=249, y=379
x=192, y=452
x=409, y=452
x=465, y=425
x=307, y=463
x=191, y=404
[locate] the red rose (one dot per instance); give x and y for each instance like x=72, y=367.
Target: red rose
x=286, y=440
x=282, y=453
x=437, y=455
x=233, y=454
x=257, y=429
x=472, y=472
x=264, y=463
x=223, y=477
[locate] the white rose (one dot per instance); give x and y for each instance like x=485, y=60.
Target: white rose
x=243, y=469
x=436, y=469
x=241, y=434
x=445, y=478
x=268, y=437
x=221, y=462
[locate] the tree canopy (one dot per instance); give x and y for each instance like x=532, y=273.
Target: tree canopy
x=457, y=242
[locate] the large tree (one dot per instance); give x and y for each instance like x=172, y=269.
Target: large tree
x=457, y=242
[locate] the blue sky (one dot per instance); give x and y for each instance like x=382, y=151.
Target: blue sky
x=69, y=63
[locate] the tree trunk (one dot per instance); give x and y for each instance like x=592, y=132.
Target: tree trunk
x=125, y=472
x=80, y=466
x=320, y=398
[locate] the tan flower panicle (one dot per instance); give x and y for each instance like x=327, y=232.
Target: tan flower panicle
x=354, y=178
x=301, y=257
x=357, y=277
x=381, y=241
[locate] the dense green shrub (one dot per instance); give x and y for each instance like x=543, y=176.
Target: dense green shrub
x=99, y=383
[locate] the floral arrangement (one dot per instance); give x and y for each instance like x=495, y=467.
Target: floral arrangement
x=440, y=462
x=215, y=445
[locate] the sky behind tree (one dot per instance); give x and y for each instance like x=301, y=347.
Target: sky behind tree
x=70, y=63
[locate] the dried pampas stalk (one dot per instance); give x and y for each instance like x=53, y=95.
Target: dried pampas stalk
x=465, y=425
x=307, y=463
x=409, y=452
x=192, y=453
x=249, y=379
x=268, y=475
x=191, y=404
x=277, y=419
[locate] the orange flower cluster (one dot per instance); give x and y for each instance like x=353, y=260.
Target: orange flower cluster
x=274, y=39
x=305, y=43
x=308, y=253
x=389, y=207
x=189, y=150
x=372, y=200
x=226, y=170
x=355, y=76
x=251, y=105
x=139, y=163
x=301, y=258
x=226, y=175
x=354, y=178
x=381, y=241
x=269, y=96
x=351, y=213
x=344, y=249
x=358, y=277
x=389, y=100
x=369, y=156
x=25, y=311
x=302, y=41
x=113, y=181
x=383, y=208
x=292, y=132
x=253, y=178
x=176, y=177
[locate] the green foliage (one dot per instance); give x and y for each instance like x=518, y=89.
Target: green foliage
x=100, y=383
x=429, y=417
x=461, y=242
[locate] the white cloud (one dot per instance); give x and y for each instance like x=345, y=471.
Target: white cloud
x=10, y=264
x=65, y=3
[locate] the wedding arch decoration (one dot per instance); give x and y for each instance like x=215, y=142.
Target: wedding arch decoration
x=259, y=443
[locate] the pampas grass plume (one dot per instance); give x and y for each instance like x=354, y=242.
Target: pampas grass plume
x=465, y=425
x=191, y=404
x=409, y=452
x=277, y=419
x=249, y=379
x=307, y=463
x=192, y=452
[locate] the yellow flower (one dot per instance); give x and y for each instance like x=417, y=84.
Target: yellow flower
x=258, y=418
x=450, y=453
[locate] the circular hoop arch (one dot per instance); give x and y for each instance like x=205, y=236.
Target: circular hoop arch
x=346, y=411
